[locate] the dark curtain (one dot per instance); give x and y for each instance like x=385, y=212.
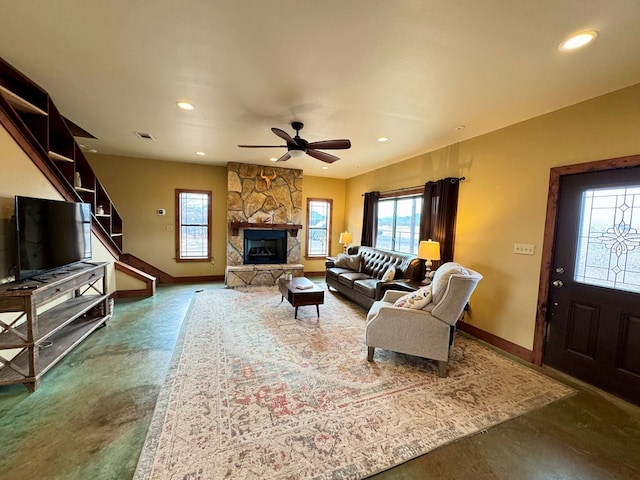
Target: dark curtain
x=438, y=220
x=369, y=218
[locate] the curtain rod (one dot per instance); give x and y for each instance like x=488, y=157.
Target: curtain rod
x=460, y=179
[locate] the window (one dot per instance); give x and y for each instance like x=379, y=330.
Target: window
x=319, y=230
x=607, y=253
x=193, y=225
x=398, y=223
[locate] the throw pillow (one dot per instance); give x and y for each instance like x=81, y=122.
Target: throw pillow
x=402, y=300
x=416, y=300
x=389, y=274
x=441, y=279
x=352, y=262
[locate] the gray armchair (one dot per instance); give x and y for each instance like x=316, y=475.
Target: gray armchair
x=428, y=332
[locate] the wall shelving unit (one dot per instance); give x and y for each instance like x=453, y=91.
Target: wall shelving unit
x=51, y=315
x=48, y=133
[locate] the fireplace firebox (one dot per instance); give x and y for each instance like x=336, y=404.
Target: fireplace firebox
x=265, y=246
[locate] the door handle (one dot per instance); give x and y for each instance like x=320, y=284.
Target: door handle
x=559, y=270
x=558, y=283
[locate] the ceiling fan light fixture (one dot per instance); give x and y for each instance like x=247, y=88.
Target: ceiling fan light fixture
x=577, y=40
x=296, y=153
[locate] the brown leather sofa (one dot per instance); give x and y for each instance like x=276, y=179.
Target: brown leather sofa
x=365, y=286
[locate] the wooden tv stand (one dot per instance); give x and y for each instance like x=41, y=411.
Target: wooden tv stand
x=79, y=305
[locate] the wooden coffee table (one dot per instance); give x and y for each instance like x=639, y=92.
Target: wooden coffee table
x=298, y=297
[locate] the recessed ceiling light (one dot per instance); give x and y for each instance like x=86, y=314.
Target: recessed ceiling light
x=273, y=159
x=578, y=40
x=383, y=139
x=185, y=105
x=200, y=153
x=92, y=150
x=460, y=127
x=325, y=168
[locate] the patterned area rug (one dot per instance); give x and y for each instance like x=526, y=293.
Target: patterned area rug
x=253, y=393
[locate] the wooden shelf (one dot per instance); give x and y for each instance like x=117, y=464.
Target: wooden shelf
x=59, y=158
x=55, y=150
x=20, y=103
x=61, y=344
x=292, y=228
x=52, y=320
x=52, y=332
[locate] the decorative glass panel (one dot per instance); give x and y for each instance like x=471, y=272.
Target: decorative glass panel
x=608, y=251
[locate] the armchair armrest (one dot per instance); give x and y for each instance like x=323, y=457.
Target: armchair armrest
x=390, y=296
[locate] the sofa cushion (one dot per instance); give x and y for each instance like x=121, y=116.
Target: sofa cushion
x=441, y=279
x=366, y=286
x=389, y=274
x=349, y=277
x=351, y=262
x=416, y=300
x=335, y=272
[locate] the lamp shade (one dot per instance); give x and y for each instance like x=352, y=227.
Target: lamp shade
x=429, y=250
x=345, y=237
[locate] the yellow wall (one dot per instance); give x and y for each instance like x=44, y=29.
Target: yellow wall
x=503, y=199
x=19, y=176
x=326, y=188
x=139, y=187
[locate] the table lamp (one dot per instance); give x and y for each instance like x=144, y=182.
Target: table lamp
x=428, y=251
x=345, y=238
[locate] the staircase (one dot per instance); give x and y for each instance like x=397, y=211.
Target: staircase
x=31, y=118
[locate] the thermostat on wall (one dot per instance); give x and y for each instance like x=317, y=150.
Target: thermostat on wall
x=162, y=211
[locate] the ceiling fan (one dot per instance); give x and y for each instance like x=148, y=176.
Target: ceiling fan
x=297, y=147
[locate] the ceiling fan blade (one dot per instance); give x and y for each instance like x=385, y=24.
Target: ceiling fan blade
x=262, y=146
x=284, y=135
x=325, y=157
x=284, y=157
x=331, y=144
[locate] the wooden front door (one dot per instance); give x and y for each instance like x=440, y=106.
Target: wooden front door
x=593, y=322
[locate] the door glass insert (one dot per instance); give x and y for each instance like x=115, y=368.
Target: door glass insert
x=608, y=246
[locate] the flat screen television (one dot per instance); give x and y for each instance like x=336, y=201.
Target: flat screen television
x=50, y=234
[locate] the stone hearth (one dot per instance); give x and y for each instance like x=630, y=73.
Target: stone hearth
x=243, y=275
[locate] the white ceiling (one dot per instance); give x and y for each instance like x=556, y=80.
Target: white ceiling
x=411, y=70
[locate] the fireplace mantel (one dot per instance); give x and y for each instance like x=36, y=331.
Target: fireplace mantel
x=290, y=227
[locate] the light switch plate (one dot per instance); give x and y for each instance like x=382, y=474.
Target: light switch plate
x=523, y=249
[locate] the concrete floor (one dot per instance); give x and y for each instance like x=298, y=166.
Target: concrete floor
x=89, y=418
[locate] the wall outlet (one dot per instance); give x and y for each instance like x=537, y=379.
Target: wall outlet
x=523, y=249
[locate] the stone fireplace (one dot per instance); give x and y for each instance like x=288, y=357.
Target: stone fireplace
x=264, y=211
